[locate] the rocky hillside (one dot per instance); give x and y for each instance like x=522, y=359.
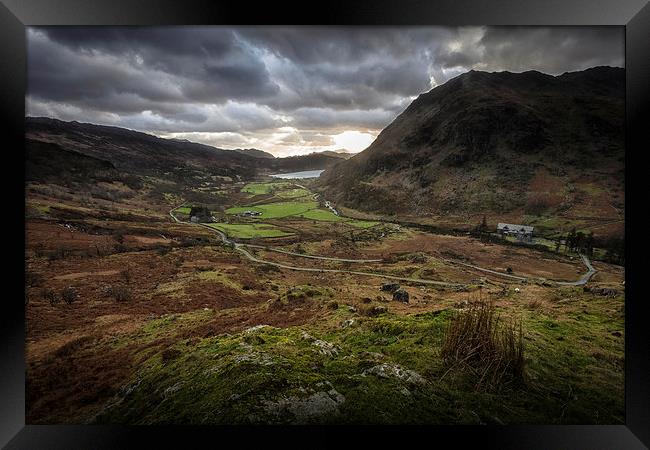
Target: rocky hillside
x=519, y=144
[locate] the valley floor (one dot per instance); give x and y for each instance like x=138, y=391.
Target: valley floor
x=133, y=317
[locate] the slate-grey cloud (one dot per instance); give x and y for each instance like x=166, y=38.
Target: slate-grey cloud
x=288, y=90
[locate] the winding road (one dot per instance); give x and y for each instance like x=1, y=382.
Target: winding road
x=241, y=249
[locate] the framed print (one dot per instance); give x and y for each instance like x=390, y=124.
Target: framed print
x=407, y=219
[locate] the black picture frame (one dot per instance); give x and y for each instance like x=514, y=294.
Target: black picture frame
x=15, y=15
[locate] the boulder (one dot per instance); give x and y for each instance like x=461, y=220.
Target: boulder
x=603, y=291
x=390, y=286
x=401, y=295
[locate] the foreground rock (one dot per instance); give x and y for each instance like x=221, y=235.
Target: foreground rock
x=324, y=347
x=401, y=295
x=602, y=291
x=395, y=371
x=389, y=287
x=303, y=410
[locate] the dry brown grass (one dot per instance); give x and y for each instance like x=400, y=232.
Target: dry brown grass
x=489, y=349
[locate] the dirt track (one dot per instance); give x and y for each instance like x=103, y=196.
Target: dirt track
x=240, y=248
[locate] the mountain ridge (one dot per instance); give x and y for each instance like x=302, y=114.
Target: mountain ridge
x=500, y=142
x=145, y=154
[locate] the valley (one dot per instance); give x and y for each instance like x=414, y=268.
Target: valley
x=134, y=313
x=326, y=225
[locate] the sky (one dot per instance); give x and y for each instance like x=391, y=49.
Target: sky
x=285, y=90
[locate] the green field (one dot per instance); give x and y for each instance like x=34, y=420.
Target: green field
x=303, y=209
x=264, y=188
x=362, y=223
x=249, y=230
x=276, y=210
x=183, y=210
x=301, y=205
x=329, y=216
x=294, y=193
x=321, y=214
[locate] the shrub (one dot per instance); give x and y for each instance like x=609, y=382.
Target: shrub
x=58, y=253
x=120, y=293
x=169, y=354
x=163, y=250
x=266, y=268
x=69, y=295
x=39, y=249
x=372, y=310
x=534, y=304
x=119, y=236
x=489, y=350
x=33, y=279
x=126, y=275
x=536, y=205
x=50, y=295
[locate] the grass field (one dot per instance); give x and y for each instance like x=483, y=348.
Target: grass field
x=303, y=209
x=294, y=193
x=276, y=210
x=249, y=230
x=183, y=210
x=264, y=188
x=321, y=214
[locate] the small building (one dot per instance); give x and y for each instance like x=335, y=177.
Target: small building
x=199, y=214
x=521, y=232
x=250, y=213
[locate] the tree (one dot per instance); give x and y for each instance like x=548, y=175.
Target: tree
x=589, y=244
x=484, y=225
x=570, y=240
x=579, y=241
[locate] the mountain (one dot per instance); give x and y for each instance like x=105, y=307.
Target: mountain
x=254, y=153
x=503, y=143
x=312, y=161
x=338, y=153
x=136, y=153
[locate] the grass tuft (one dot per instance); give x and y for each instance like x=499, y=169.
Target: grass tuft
x=491, y=351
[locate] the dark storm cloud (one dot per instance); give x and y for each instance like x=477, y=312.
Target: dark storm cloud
x=181, y=65
x=253, y=81
x=553, y=50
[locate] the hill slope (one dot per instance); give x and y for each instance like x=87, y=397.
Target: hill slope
x=144, y=154
x=507, y=144
x=254, y=152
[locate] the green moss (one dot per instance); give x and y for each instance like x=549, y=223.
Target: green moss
x=219, y=277
x=268, y=374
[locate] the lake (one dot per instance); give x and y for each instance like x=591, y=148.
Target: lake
x=303, y=174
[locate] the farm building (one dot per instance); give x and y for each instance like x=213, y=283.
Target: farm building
x=521, y=232
x=200, y=214
x=250, y=213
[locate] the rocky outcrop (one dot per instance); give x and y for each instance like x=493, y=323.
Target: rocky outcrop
x=401, y=295
x=390, y=286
